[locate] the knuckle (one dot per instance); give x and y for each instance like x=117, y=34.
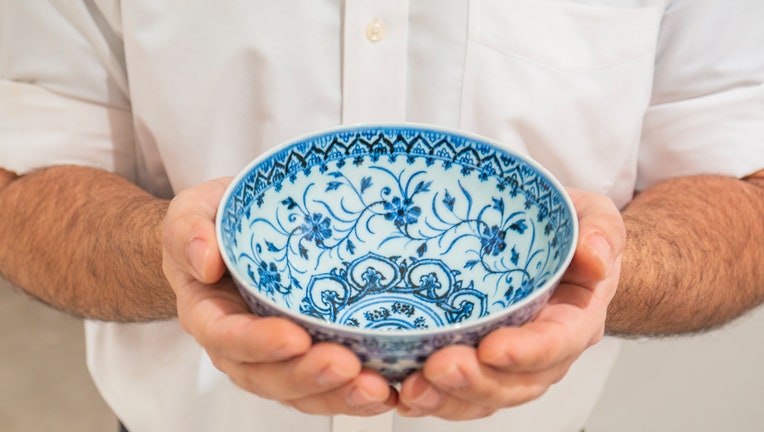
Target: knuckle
x=557, y=375
x=528, y=393
x=490, y=393
x=485, y=412
x=296, y=384
x=523, y=392
x=554, y=345
x=535, y=392
x=248, y=379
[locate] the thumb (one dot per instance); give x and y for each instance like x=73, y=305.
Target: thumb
x=205, y=262
x=601, y=240
x=188, y=237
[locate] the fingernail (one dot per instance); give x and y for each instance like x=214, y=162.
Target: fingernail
x=376, y=409
x=452, y=379
x=405, y=411
x=331, y=377
x=424, y=396
x=601, y=248
x=501, y=359
x=197, y=255
x=358, y=398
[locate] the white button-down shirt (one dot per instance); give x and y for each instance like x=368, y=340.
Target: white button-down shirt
x=610, y=95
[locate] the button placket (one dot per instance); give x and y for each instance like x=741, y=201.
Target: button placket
x=374, y=63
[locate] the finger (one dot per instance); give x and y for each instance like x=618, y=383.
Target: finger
x=245, y=338
x=220, y=320
x=366, y=395
x=433, y=402
x=459, y=371
x=602, y=238
x=189, y=230
x=455, y=385
x=571, y=321
x=324, y=367
x=419, y=398
x=426, y=400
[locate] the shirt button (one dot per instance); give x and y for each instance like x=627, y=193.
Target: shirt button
x=375, y=31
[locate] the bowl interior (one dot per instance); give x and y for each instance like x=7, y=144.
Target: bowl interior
x=395, y=228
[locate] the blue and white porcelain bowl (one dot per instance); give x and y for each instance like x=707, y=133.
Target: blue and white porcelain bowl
x=396, y=240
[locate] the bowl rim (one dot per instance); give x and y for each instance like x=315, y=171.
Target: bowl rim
x=550, y=284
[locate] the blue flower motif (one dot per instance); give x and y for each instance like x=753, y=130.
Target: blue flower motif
x=429, y=284
x=372, y=277
x=402, y=211
x=463, y=312
x=492, y=240
x=270, y=278
x=317, y=228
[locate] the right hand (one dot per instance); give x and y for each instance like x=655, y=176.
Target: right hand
x=270, y=357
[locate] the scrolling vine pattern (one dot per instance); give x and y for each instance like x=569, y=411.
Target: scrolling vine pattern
x=396, y=230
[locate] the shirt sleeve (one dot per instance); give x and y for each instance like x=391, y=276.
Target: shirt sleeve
x=707, y=109
x=63, y=88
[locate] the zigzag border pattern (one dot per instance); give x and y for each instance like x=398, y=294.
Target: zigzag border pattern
x=358, y=144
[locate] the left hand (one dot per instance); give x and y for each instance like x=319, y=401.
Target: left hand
x=514, y=365
x=270, y=357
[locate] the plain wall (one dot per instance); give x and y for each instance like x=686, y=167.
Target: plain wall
x=712, y=382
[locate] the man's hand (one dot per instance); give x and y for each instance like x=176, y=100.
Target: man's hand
x=514, y=365
x=270, y=357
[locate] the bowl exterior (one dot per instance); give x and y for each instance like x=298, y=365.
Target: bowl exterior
x=396, y=354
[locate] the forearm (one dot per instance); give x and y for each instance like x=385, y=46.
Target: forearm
x=694, y=258
x=84, y=241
